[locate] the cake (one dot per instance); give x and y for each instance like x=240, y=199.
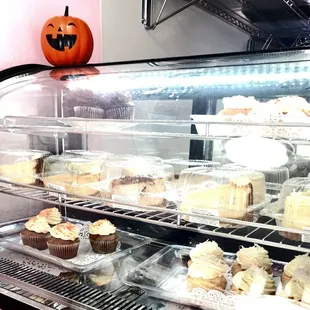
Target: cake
x=73, y=175
x=36, y=233
x=22, y=166
x=141, y=190
x=205, y=249
x=298, y=288
x=253, y=256
x=290, y=269
x=254, y=281
x=64, y=241
x=103, y=237
x=52, y=215
x=207, y=273
x=296, y=213
x=237, y=105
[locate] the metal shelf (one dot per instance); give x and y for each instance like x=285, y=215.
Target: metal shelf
x=289, y=27
x=264, y=231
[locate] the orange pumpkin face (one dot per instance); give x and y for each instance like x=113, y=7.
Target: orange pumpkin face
x=66, y=40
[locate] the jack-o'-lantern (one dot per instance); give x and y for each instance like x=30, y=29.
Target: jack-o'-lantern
x=69, y=74
x=66, y=40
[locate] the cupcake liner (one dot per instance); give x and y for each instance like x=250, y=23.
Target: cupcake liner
x=64, y=251
x=88, y=112
x=36, y=242
x=120, y=113
x=104, y=247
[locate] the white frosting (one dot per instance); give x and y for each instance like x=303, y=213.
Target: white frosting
x=66, y=231
x=291, y=103
x=207, y=268
x=102, y=227
x=239, y=102
x=254, y=281
x=300, y=261
x=205, y=249
x=38, y=224
x=254, y=256
x=299, y=287
x=52, y=215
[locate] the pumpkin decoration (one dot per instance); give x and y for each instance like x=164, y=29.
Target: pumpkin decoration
x=68, y=74
x=66, y=40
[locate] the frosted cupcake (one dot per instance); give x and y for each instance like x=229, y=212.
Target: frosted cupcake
x=103, y=237
x=300, y=261
x=253, y=256
x=204, y=249
x=36, y=233
x=64, y=241
x=207, y=273
x=52, y=215
x=298, y=288
x=254, y=281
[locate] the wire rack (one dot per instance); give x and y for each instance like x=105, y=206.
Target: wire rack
x=264, y=231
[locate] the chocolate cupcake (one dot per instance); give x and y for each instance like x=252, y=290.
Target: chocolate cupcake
x=36, y=233
x=103, y=237
x=64, y=242
x=52, y=215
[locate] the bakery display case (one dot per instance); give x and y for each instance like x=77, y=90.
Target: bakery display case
x=159, y=184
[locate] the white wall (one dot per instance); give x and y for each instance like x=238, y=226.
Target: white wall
x=191, y=32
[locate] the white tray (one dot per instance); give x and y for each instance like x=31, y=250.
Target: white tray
x=85, y=261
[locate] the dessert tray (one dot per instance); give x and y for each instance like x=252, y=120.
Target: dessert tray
x=164, y=276
x=85, y=261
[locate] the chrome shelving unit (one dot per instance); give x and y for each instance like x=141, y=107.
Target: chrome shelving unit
x=289, y=27
x=264, y=231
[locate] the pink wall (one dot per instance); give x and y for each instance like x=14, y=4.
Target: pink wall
x=21, y=22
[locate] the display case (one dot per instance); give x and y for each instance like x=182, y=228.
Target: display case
x=139, y=165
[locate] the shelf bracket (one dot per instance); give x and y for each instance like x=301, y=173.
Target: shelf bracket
x=147, y=7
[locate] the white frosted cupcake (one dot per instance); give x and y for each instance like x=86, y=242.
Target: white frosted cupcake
x=253, y=256
x=300, y=261
x=36, y=233
x=204, y=249
x=103, y=237
x=254, y=281
x=52, y=215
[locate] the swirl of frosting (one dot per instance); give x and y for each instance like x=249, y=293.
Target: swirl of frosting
x=300, y=261
x=102, y=228
x=206, y=248
x=38, y=224
x=52, y=215
x=255, y=281
x=299, y=288
x=207, y=268
x=65, y=231
x=239, y=102
x=253, y=256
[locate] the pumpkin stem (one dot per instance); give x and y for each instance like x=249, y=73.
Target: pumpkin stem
x=67, y=11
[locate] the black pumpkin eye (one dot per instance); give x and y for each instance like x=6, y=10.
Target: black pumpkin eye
x=72, y=24
x=50, y=25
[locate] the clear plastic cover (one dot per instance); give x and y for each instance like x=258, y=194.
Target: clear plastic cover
x=22, y=166
x=222, y=193
x=136, y=181
x=88, y=154
x=73, y=175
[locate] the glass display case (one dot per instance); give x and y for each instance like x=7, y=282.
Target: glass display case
x=165, y=184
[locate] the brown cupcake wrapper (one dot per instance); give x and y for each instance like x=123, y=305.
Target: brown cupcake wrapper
x=88, y=112
x=64, y=251
x=119, y=113
x=36, y=242
x=104, y=247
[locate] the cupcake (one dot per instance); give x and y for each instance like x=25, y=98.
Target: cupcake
x=207, y=273
x=298, y=288
x=64, y=241
x=253, y=256
x=52, y=215
x=254, y=281
x=205, y=249
x=103, y=237
x=36, y=233
x=300, y=261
